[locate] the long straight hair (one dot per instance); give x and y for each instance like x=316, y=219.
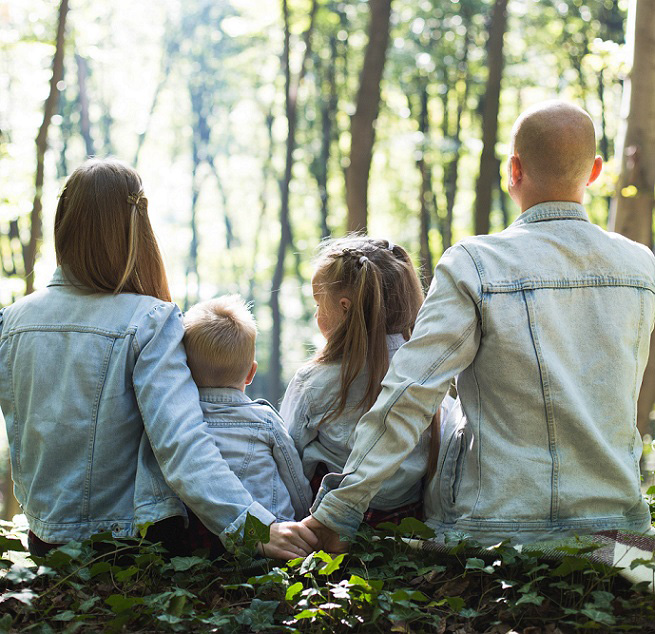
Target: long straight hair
x=103, y=236
x=381, y=283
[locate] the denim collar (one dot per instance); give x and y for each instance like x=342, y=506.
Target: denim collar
x=554, y=210
x=223, y=395
x=61, y=278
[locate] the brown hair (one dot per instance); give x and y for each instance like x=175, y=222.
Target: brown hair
x=219, y=337
x=379, y=279
x=103, y=236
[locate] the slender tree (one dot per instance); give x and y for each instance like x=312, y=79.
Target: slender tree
x=31, y=249
x=488, y=161
x=362, y=126
x=632, y=209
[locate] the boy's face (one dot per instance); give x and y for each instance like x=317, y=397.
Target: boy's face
x=330, y=311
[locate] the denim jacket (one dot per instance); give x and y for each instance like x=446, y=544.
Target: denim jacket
x=104, y=424
x=547, y=325
x=257, y=447
x=311, y=393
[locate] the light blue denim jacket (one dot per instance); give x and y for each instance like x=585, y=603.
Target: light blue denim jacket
x=104, y=424
x=311, y=393
x=547, y=324
x=257, y=447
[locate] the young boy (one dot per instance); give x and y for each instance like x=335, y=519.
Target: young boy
x=220, y=345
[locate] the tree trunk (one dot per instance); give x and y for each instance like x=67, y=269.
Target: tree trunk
x=488, y=161
x=632, y=209
x=286, y=238
x=31, y=251
x=362, y=125
x=85, y=123
x=426, y=195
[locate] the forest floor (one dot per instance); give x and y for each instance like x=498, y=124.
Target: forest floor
x=382, y=585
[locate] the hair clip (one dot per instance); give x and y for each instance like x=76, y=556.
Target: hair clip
x=139, y=201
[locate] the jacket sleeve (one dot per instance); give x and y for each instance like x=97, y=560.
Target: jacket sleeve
x=445, y=341
x=295, y=410
x=290, y=469
x=187, y=455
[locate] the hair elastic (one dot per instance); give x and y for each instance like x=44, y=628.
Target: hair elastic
x=139, y=201
x=363, y=259
x=391, y=246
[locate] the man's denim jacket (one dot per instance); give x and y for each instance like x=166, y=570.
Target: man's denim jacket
x=257, y=447
x=547, y=325
x=311, y=393
x=104, y=424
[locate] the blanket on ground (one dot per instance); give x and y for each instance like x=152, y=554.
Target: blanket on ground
x=633, y=554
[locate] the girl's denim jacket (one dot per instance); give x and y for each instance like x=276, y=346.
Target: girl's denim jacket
x=104, y=424
x=257, y=447
x=311, y=393
x=548, y=326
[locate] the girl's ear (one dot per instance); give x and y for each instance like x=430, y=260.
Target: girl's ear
x=345, y=304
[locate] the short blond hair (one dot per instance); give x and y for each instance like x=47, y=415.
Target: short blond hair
x=219, y=337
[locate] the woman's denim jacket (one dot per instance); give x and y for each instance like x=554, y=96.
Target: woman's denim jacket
x=257, y=447
x=104, y=423
x=548, y=326
x=312, y=392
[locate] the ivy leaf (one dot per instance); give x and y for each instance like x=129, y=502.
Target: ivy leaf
x=182, y=564
x=332, y=566
x=598, y=616
x=255, y=531
x=19, y=574
x=293, y=590
x=26, y=596
x=10, y=543
x=118, y=603
x=66, y=615
x=569, y=565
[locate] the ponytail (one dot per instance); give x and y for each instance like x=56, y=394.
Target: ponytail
x=385, y=295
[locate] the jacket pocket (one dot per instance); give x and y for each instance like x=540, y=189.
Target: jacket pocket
x=450, y=475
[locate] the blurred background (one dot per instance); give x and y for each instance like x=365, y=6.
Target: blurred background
x=262, y=127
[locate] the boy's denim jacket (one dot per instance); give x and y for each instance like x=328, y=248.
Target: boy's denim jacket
x=257, y=447
x=548, y=326
x=311, y=393
x=99, y=403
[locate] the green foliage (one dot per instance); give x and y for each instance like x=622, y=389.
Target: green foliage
x=382, y=585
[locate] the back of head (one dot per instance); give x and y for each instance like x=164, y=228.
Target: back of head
x=103, y=236
x=380, y=281
x=556, y=144
x=219, y=337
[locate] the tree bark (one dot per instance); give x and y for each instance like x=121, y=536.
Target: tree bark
x=31, y=251
x=85, y=122
x=632, y=209
x=362, y=125
x=488, y=161
x=426, y=195
x=291, y=87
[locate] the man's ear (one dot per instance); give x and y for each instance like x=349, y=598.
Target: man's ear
x=596, y=169
x=345, y=304
x=515, y=170
x=251, y=374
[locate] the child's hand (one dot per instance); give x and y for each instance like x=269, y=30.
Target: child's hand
x=288, y=541
x=328, y=539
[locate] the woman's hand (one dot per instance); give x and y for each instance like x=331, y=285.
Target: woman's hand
x=327, y=538
x=288, y=541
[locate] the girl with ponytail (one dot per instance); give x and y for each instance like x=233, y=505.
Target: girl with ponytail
x=367, y=297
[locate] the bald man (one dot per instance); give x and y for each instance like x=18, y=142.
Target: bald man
x=546, y=326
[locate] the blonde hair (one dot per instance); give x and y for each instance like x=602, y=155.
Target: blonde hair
x=219, y=337
x=381, y=283
x=103, y=236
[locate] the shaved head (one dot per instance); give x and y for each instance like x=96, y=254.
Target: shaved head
x=556, y=144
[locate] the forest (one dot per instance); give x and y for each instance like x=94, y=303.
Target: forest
x=261, y=128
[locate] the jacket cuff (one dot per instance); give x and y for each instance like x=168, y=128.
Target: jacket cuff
x=333, y=513
x=233, y=534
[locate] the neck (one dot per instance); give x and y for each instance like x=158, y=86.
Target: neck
x=530, y=199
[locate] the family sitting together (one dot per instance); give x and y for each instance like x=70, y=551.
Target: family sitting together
x=121, y=412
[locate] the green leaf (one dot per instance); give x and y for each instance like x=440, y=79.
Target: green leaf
x=126, y=573
x=19, y=574
x=332, y=566
x=309, y=614
x=255, y=531
x=10, y=543
x=408, y=595
x=176, y=606
x=99, y=568
x=118, y=603
x=415, y=528
x=530, y=597
x=182, y=564
x=143, y=529
x=26, y=596
x=293, y=590
x=569, y=565
x=456, y=604
x=66, y=615
x=88, y=604
x=478, y=564
x=598, y=616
